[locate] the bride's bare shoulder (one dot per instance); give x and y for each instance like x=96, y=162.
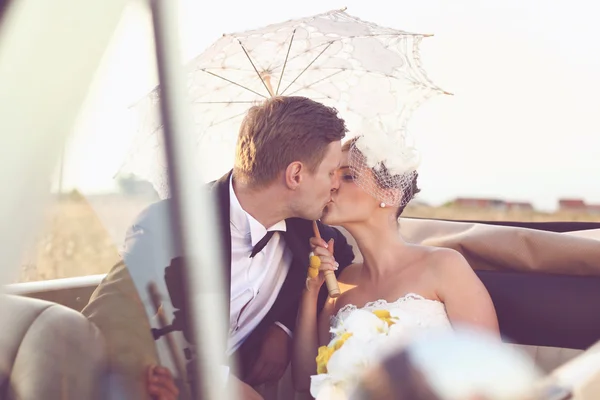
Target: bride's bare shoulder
x=445, y=255
x=446, y=263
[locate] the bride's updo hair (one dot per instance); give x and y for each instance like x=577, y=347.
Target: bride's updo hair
x=383, y=181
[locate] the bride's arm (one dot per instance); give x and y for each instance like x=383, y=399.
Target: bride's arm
x=308, y=336
x=324, y=322
x=307, y=333
x=466, y=299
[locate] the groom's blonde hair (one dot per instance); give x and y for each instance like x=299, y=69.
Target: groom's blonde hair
x=280, y=131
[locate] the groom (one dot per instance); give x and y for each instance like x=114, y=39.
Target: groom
x=287, y=154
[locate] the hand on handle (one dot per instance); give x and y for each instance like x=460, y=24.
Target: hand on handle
x=322, y=263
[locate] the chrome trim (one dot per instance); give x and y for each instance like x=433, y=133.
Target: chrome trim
x=193, y=210
x=52, y=285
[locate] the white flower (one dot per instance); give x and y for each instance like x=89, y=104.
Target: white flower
x=324, y=387
x=360, y=323
x=332, y=393
x=351, y=358
x=379, y=145
x=347, y=364
x=365, y=338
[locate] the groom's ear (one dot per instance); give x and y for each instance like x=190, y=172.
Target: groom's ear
x=293, y=175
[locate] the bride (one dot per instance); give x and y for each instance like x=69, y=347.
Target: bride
x=413, y=287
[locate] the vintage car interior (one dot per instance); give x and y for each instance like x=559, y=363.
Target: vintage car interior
x=50, y=350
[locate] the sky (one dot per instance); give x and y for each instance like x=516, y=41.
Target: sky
x=522, y=124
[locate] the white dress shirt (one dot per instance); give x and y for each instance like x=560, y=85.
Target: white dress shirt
x=255, y=282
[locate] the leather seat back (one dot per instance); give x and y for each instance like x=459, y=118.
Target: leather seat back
x=548, y=358
x=48, y=351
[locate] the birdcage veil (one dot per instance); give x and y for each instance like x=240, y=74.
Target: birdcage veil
x=384, y=163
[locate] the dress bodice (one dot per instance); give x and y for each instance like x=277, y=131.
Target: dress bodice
x=415, y=312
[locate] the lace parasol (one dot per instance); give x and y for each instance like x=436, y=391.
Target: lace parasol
x=362, y=69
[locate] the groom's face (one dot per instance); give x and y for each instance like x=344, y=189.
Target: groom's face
x=317, y=187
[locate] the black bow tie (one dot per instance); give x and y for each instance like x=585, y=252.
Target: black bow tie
x=262, y=243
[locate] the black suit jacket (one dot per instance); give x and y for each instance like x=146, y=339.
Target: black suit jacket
x=121, y=306
x=296, y=237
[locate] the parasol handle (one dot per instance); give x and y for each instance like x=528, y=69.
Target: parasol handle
x=267, y=80
x=330, y=279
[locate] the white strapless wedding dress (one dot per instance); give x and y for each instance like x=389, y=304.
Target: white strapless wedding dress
x=415, y=312
x=370, y=332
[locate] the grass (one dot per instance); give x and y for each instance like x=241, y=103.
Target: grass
x=80, y=236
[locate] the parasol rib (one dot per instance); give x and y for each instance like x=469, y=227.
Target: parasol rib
x=254, y=66
x=229, y=118
x=320, y=80
x=308, y=66
x=224, y=102
x=234, y=83
x=285, y=62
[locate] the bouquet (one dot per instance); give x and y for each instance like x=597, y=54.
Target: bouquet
x=358, y=342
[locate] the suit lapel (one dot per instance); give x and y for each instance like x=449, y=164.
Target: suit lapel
x=296, y=238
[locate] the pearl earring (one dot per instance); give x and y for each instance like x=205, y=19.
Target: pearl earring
x=382, y=205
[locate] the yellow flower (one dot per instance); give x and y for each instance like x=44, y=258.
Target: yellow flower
x=385, y=316
x=313, y=272
x=341, y=340
x=325, y=353
x=323, y=357
x=314, y=262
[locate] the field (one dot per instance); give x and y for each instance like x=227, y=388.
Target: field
x=450, y=212
x=80, y=236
